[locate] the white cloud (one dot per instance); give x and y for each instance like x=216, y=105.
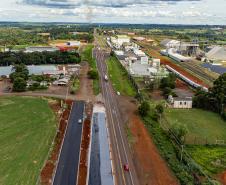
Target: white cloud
x=122, y=11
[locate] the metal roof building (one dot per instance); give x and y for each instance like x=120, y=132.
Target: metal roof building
x=41, y=49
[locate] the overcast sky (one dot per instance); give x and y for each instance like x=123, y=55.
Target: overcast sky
x=116, y=11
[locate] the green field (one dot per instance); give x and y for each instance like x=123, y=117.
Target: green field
x=211, y=158
x=119, y=77
x=87, y=56
x=204, y=127
x=27, y=129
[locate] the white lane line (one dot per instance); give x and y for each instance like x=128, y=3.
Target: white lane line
x=109, y=111
x=123, y=143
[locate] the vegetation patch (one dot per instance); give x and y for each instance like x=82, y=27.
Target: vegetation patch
x=204, y=127
x=27, y=129
x=87, y=56
x=75, y=85
x=119, y=77
x=211, y=158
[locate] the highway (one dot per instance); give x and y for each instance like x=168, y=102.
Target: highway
x=121, y=153
x=66, y=172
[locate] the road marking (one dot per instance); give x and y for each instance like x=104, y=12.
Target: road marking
x=109, y=111
x=117, y=120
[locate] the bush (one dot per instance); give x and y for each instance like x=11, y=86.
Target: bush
x=144, y=108
x=159, y=108
x=19, y=84
x=93, y=74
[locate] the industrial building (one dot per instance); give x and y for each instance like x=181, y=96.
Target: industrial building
x=41, y=49
x=134, y=60
x=118, y=40
x=172, y=53
x=182, y=48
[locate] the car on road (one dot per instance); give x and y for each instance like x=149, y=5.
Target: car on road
x=106, y=77
x=118, y=93
x=80, y=121
x=126, y=167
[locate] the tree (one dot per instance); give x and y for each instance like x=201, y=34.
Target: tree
x=215, y=99
x=19, y=84
x=144, y=108
x=20, y=71
x=167, y=91
x=159, y=109
x=180, y=130
x=168, y=81
x=219, y=92
x=93, y=74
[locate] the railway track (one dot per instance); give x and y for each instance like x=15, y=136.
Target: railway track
x=198, y=70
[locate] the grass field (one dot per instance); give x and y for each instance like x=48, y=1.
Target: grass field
x=87, y=56
x=27, y=128
x=119, y=77
x=211, y=158
x=203, y=125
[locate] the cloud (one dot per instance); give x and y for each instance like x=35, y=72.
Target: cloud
x=68, y=4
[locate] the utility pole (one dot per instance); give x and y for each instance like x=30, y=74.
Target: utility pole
x=181, y=154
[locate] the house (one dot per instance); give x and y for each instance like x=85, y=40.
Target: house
x=180, y=103
x=61, y=82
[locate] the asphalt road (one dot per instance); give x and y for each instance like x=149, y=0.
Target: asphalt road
x=66, y=172
x=119, y=143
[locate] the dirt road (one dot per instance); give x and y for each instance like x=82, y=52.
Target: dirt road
x=151, y=168
x=86, y=86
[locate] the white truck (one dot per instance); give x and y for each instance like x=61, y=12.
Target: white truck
x=106, y=77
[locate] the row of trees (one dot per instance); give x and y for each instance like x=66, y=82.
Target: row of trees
x=15, y=36
x=65, y=33
x=215, y=99
x=38, y=58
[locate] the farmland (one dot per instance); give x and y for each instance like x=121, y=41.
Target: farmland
x=27, y=127
x=203, y=127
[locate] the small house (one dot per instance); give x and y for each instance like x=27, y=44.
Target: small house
x=180, y=103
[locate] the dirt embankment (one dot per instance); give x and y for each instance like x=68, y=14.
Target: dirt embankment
x=150, y=167
x=85, y=91
x=49, y=168
x=222, y=178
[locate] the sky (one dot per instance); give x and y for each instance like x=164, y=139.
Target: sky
x=116, y=11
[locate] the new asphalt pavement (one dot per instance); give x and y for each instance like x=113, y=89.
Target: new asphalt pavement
x=66, y=172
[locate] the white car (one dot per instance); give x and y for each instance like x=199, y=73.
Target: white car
x=80, y=121
x=118, y=93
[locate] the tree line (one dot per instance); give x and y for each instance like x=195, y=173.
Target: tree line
x=39, y=58
x=215, y=99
